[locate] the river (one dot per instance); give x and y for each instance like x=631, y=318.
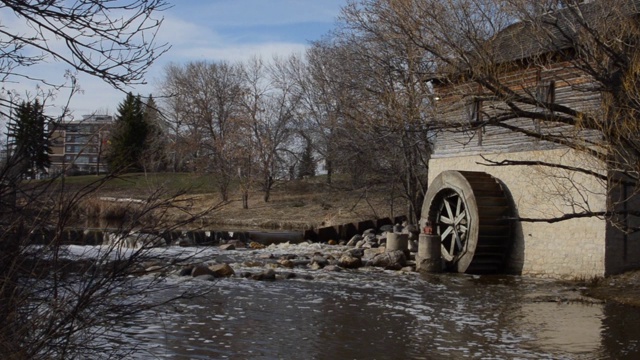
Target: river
x=379, y=314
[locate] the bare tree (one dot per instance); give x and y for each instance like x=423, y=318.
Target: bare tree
x=366, y=92
x=270, y=106
x=204, y=100
x=53, y=305
x=558, y=74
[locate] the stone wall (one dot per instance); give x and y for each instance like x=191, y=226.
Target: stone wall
x=568, y=249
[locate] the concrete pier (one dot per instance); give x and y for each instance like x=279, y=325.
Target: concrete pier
x=429, y=258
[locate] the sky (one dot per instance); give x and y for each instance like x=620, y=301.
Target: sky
x=210, y=30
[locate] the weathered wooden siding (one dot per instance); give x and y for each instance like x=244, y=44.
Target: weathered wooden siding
x=572, y=89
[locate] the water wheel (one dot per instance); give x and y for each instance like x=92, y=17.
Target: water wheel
x=468, y=210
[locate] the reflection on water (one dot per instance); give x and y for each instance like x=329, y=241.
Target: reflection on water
x=375, y=314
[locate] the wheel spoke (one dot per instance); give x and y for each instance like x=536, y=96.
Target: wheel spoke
x=453, y=244
x=446, y=232
x=446, y=220
x=449, y=212
x=458, y=242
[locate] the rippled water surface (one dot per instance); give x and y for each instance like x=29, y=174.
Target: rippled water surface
x=374, y=314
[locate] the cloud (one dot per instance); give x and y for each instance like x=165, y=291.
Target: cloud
x=212, y=30
x=233, y=53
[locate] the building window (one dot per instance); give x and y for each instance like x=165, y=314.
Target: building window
x=546, y=93
x=545, y=96
x=476, y=117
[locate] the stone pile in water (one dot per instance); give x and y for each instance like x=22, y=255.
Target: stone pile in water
x=274, y=262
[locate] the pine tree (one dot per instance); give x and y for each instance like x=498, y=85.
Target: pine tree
x=307, y=163
x=155, y=156
x=128, y=137
x=29, y=138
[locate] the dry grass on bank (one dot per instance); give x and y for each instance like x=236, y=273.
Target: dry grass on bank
x=297, y=204
x=301, y=204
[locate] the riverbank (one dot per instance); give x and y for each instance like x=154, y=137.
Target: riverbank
x=622, y=288
x=312, y=203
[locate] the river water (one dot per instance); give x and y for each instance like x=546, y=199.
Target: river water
x=376, y=314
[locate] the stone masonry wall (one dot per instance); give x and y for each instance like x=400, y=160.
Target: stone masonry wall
x=568, y=249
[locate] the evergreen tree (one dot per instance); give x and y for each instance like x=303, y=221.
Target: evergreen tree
x=29, y=138
x=155, y=154
x=128, y=136
x=307, y=163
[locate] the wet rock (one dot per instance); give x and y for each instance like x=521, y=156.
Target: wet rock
x=349, y=262
x=186, y=271
x=408, y=269
x=221, y=270
x=315, y=266
x=267, y=275
x=301, y=262
x=360, y=243
x=155, y=268
x=256, y=245
x=239, y=244
x=359, y=253
x=332, y=242
x=265, y=256
x=354, y=240
x=227, y=247
x=333, y=268
x=371, y=253
x=393, y=260
x=320, y=260
x=201, y=270
x=369, y=232
x=251, y=263
x=286, y=263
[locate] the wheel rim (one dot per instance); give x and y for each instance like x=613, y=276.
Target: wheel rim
x=452, y=225
x=469, y=211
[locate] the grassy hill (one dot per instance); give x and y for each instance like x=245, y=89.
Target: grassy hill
x=296, y=204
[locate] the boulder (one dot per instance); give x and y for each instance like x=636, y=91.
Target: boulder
x=354, y=240
x=256, y=245
x=268, y=275
x=356, y=252
x=368, y=232
x=186, y=271
x=371, y=253
x=286, y=263
x=227, y=247
x=239, y=244
x=320, y=260
x=333, y=268
x=392, y=260
x=349, y=262
x=221, y=270
x=201, y=270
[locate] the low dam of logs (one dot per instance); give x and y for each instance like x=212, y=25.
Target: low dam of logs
x=95, y=236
